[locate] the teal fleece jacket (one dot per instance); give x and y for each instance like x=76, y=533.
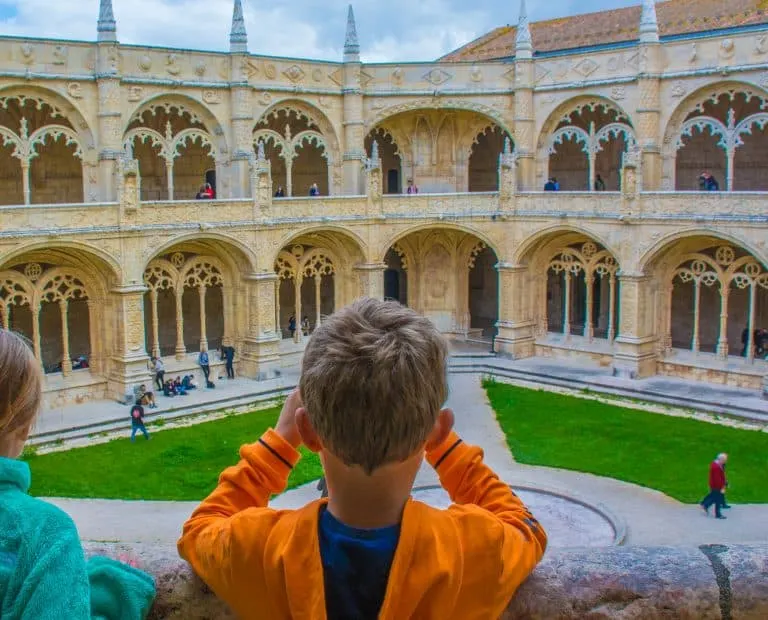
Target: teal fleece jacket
x=43, y=571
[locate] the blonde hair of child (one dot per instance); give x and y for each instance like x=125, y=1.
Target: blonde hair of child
x=21, y=384
x=374, y=378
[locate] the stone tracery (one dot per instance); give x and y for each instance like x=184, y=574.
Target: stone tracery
x=177, y=275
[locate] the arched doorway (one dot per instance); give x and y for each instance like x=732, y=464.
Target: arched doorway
x=390, y=159
x=484, y=159
x=449, y=276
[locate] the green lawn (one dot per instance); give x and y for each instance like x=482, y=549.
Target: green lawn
x=653, y=450
x=177, y=464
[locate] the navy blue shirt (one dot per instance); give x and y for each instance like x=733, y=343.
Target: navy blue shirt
x=356, y=566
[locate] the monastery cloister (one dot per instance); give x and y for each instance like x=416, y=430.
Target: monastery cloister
x=106, y=257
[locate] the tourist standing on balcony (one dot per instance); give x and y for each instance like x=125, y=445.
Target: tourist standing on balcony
x=412, y=189
x=280, y=193
x=314, y=190
x=228, y=354
x=599, y=184
x=201, y=195
x=159, y=369
x=717, y=485
x=550, y=186
x=209, y=193
x=205, y=365
x=43, y=571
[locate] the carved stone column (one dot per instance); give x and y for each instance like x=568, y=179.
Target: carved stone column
x=354, y=138
x=648, y=113
x=525, y=124
x=371, y=279
x=203, y=319
x=110, y=118
x=261, y=347
x=128, y=367
x=66, y=358
x=516, y=326
x=242, y=128
x=181, y=349
x=636, y=352
x=155, y=324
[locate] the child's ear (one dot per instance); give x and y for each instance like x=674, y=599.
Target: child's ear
x=441, y=430
x=308, y=434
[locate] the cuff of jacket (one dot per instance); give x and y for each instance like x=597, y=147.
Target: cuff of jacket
x=273, y=450
x=448, y=452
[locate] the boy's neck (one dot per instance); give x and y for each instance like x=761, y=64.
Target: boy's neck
x=369, y=502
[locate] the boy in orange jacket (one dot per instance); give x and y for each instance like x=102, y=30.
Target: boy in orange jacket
x=374, y=380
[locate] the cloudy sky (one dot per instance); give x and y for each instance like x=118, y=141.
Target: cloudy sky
x=391, y=30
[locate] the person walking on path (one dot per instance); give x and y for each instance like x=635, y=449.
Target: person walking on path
x=228, y=353
x=205, y=364
x=137, y=422
x=159, y=369
x=717, y=484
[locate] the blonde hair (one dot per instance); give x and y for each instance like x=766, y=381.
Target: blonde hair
x=373, y=381
x=21, y=383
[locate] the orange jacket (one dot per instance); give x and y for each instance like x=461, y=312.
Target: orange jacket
x=464, y=563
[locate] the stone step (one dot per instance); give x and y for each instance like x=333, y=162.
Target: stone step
x=172, y=412
x=733, y=411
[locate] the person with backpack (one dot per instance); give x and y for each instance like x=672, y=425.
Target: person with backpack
x=137, y=422
x=205, y=364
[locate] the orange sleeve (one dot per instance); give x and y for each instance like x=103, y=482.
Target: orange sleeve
x=220, y=532
x=468, y=480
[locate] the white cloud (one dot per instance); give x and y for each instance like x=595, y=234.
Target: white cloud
x=392, y=31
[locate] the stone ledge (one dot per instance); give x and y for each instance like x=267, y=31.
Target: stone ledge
x=702, y=583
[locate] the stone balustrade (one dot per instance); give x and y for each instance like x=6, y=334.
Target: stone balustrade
x=708, y=582
x=694, y=207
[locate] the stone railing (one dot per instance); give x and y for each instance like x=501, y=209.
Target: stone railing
x=706, y=583
x=687, y=206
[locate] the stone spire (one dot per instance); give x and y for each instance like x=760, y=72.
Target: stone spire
x=351, y=44
x=523, y=40
x=238, y=37
x=649, y=26
x=107, y=27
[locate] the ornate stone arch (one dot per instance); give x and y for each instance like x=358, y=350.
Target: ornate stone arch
x=354, y=245
x=524, y=249
x=198, y=112
x=62, y=107
x=240, y=258
x=730, y=133
x=442, y=103
x=398, y=238
x=558, y=127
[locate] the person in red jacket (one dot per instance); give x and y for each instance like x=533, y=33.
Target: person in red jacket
x=717, y=484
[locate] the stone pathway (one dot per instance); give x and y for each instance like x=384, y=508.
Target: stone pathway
x=651, y=517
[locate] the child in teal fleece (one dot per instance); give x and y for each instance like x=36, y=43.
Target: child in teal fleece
x=43, y=571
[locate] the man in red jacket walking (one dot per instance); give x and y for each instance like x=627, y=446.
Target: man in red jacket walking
x=717, y=484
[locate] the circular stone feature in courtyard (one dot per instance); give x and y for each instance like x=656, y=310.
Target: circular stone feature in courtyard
x=568, y=522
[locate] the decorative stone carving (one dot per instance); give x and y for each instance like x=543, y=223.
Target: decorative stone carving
x=33, y=271
x=436, y=77
x=727, y=49
x=60, y=55
x=200, y=68
x=509, y=75
x=693, y=55
x=145, y=63
x=761, y=45
x=135, y=93
x=265, y=98
x=172, y=65
x=27, y=51
x=294, y=73
x=475, y=74
x=317, y=75
x=618, y=92
x=586, y=67
x=679, y=90
x=75, y=90
x=613, y=64
x=212, y=97
x=397, y=76
x=270, y=71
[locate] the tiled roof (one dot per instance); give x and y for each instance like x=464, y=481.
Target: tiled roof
x=616, y=26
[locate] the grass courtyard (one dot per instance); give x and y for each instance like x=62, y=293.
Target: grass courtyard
x=666, y=453
x=177, y=464
x=542, y=428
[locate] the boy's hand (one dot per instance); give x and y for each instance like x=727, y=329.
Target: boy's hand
x=286, y=424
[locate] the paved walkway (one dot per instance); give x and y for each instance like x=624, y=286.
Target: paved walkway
x=651, y=517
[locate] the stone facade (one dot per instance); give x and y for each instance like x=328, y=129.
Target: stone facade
x=106, y=257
